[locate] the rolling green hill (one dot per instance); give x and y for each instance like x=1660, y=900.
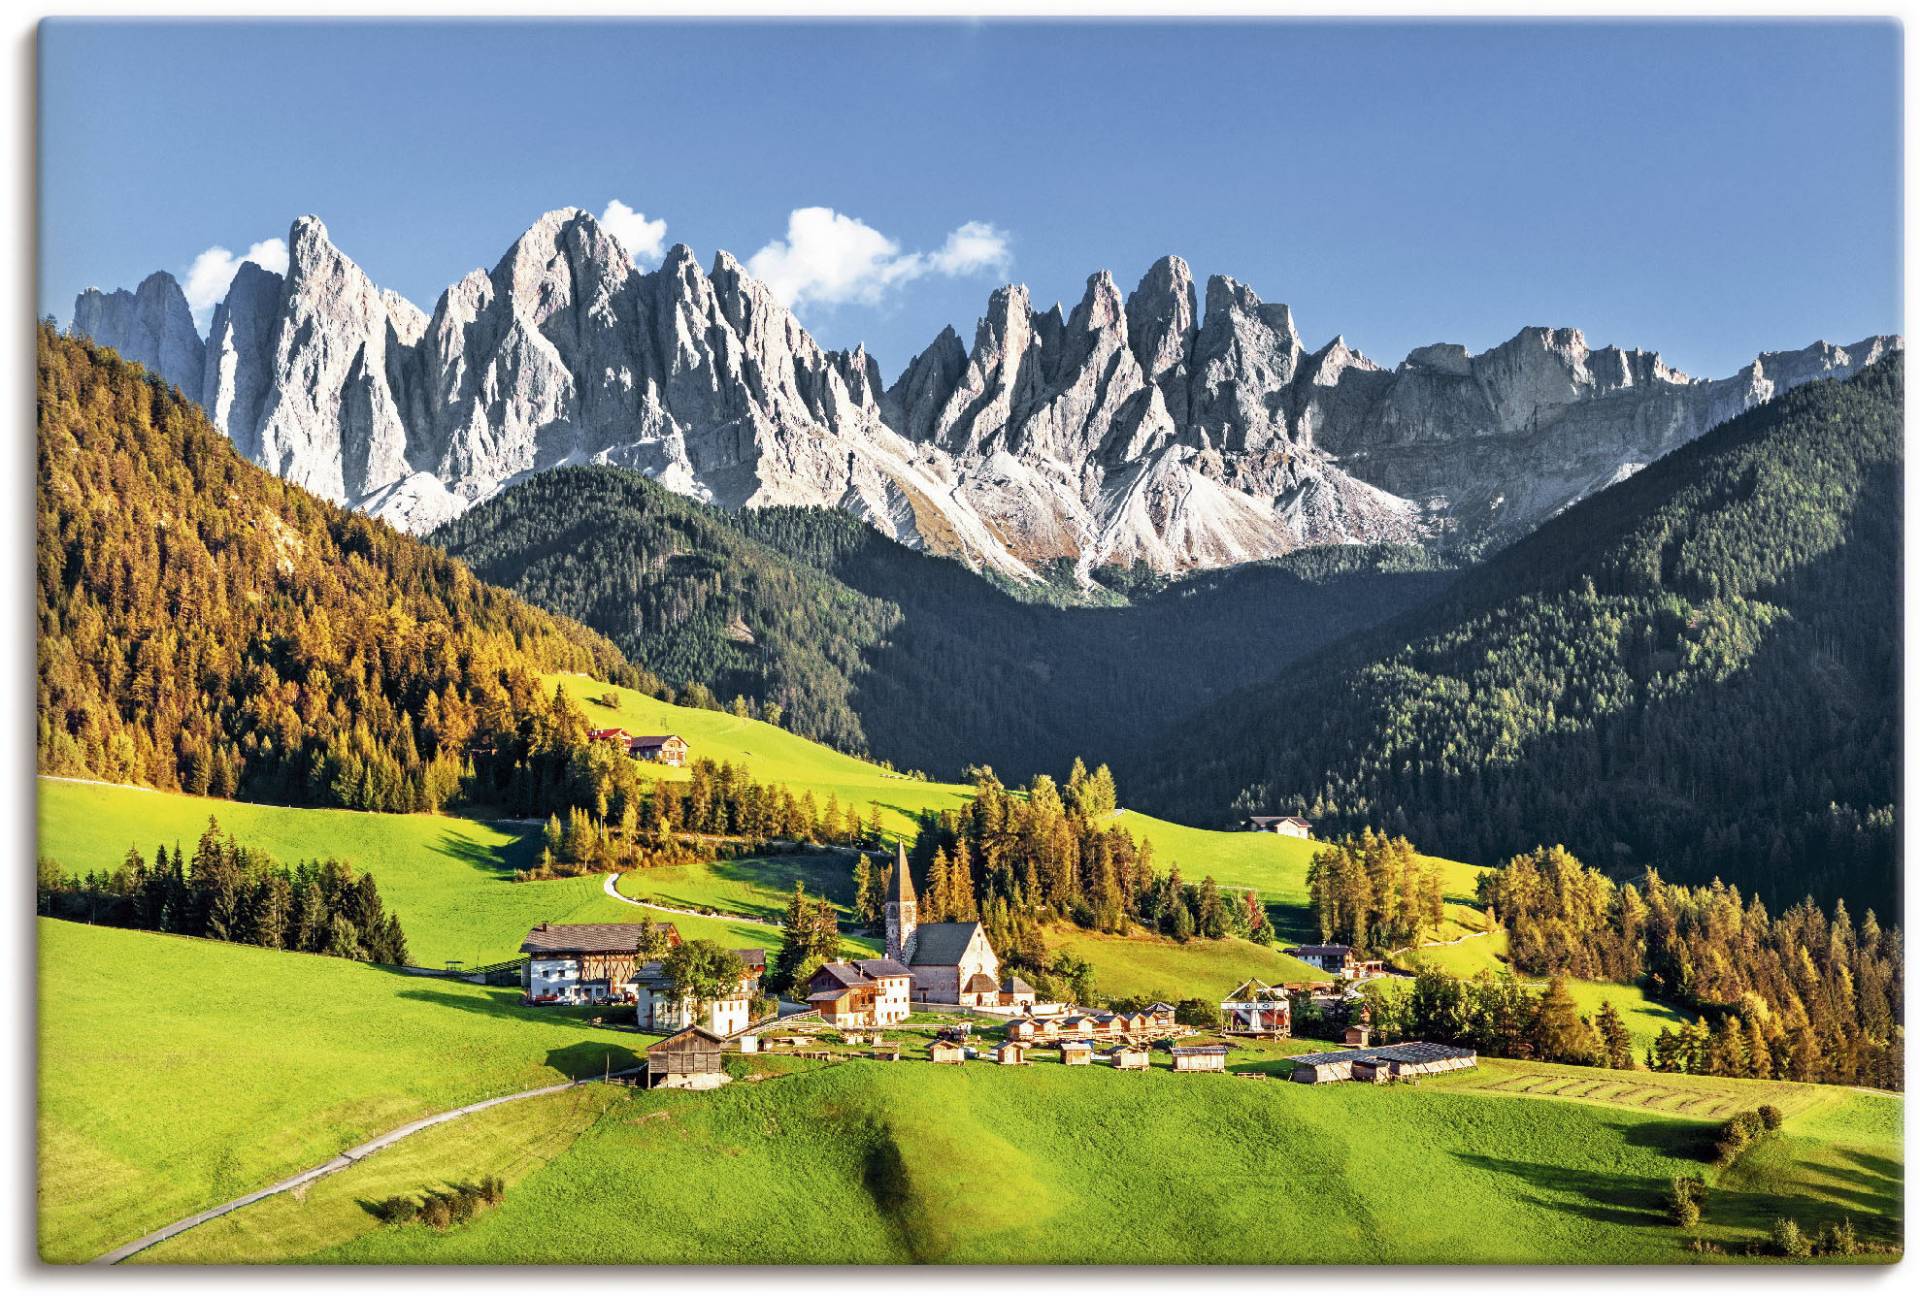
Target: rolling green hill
x=873, y=647
x=178, y=1073
x=865, y=1162
x=1689, y=670
x=448, y=879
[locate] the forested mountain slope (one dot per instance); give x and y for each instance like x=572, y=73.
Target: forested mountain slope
x=1697, y=670
x=205, y=626
x=876, y=648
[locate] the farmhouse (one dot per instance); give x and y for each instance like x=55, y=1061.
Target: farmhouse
x=863, y=992
x=1338, y=959
x=1283, y=825
x=951, y=962
x=657, y=1008
x=1199, y=1057
x=1256, y=1008
x=661, y=749
x=688, y=1059
x=1374, y=1065
x=571, y=963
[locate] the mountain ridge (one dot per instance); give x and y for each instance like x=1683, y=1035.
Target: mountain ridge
x=1155, y=428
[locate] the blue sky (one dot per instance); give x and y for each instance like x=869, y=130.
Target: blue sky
x=1708, y=190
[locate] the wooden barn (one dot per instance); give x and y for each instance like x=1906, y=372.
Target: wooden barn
x=661, y=749
x=689, y=1059
x=1388, y=1062
x=1076, y=1053
x=1011, y=1053
x=1199, y=1057
x=947, y=1052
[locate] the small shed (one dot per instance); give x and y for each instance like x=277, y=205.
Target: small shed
x=1130, y=1058
x=1199, y=1057
x=688, y=1059
x=1076, y=1053
x=1012, y=1053
x=1021, y=1029
x=946, y=1051
x=884, y=1052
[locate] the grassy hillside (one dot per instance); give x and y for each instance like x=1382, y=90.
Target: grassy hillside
x=867, y=1162
x=448, y=879
x=1163, y=969
x=175, y=1073
x=1689, y=670
x=871, y=646
x=754, y=888
x=1644, y=1017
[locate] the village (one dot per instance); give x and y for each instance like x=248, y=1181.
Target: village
x=939, y=987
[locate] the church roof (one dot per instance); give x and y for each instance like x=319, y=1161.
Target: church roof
x=941, y=944
x=900, y=890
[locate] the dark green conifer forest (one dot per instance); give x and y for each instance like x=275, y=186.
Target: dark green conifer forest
x=1696, y=671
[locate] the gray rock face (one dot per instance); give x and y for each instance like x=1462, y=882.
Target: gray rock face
x=1137, y=428
x=150, y=326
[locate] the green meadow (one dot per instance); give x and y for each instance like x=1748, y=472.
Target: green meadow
x=449, y=879
x=178, y=1073
x=1644, y=1016
x=873, y=1162
x=1154, y=967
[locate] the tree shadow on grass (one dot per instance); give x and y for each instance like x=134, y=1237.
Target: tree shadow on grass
x=1618, y=1199
x=497, y=1001
x=591, y=1058
x=498, y=862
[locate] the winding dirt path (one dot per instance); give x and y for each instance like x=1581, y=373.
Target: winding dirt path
x=613, y=890
x=341, y=1162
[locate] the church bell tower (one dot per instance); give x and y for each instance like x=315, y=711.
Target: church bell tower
x=903, y=909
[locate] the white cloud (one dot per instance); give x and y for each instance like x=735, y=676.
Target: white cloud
x=645, y=240
x=973, y=248
x=832, y=259
x=213, y=270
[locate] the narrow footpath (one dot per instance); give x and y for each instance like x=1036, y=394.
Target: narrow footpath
x=613, y=890
x=341, y=1162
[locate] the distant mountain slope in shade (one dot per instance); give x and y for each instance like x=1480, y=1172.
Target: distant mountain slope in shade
x=206, y=627
x=1160, y=428
x=1697, y=670
x=876, y=648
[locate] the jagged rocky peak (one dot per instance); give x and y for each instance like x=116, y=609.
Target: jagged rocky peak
x=1161, y=321
x=1245, y=354
x=151, y=326
x=1161, y=426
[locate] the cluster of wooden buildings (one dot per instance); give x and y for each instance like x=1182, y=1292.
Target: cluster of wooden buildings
x=1150, y=1022
x=1378, y=1065
x=659, y=749
x=600, y=963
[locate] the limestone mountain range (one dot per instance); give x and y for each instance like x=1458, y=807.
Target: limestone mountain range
x=1159, y=426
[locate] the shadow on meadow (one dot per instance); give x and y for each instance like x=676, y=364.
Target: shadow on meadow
x=1625, y=1200
x=497, y=862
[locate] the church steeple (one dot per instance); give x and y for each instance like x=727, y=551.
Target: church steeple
x=903, y=908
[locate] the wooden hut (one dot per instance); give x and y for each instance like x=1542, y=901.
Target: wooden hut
x=688, y=1059
x=1160, y=1016
x=1076, y=1053
x=1022, y=1029
x=1129, y=1057
x=1012, y=1053
x=947, y=1052
x=1199, y=1057
x=884, y=1052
